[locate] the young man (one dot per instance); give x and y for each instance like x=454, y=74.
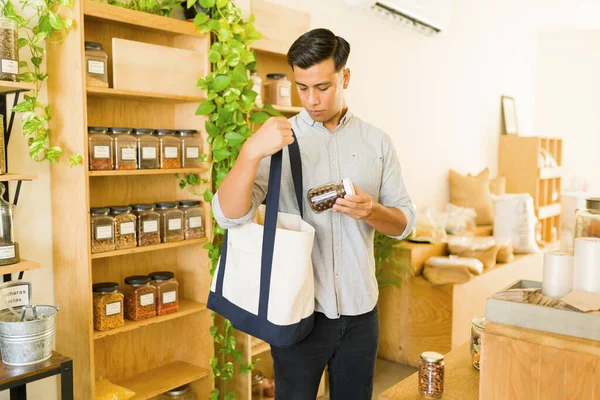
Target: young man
x=334, y=144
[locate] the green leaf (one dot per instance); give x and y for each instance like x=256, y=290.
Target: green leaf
x=222, y=3
x=220, y=177
x=190, y=4
x=211, y=128
x=27, y=77
x=225, y=34
x=271, y=110
x=208, y=196
x=229, y=396
x=22, y=42
x=244, y=369
x=219, y=338
x=220, y=83
x=214, y=25
x=214, y=361
x=9, y=9
x=214, y=395
x=252, y=19
x=237, y=29
x=219, y=143
x=23, y=106
x=75, y=160
x=239, y=74
x=45, y=25
x=233, y=59
x=214, y=56
x=259, y=117
x=200, y=18
x=22, y=64
x=206, y=107
x=37, y=61
x=234, y=138
x=207, y=3
x=213, y=331
x=66, y=3
x=237, y=355
x=39, y=37
x=246, y=56
x=55, y=21
x=220, y=155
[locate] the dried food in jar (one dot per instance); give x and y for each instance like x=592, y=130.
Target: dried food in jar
x=170, y=149
x=323, y=198
x=9, y=52
x=148, y=149
x=103, y=238
x=125, y=146
x=171, y=222
x=148, y=224
x=95, y=61
x=191, y=148
x=431, y=375
x=167, y=297
x=193, y=219
x=125, y=227
x=108, y=306
x=140, y=298
x=100, y=149
x=477, y=328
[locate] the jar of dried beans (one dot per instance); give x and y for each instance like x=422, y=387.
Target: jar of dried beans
x=171, y=222
x=108, y=306
x=96, y=61
x=103, y=235
x=191, y=148
x=140, y=298
x=9, y=51
x=167, y=297
x=324, y=197
x=125, y=227
x=100, y=149
x=431, y=375
x=148, y=224
x=125, y=146
x=170, y=149
x=193, y=219
x=147, y=148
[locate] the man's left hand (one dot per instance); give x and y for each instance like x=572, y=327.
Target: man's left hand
x=358, y=206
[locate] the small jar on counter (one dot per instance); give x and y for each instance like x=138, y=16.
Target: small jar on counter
x=147, y=149
x=167, y=297
x=278, y=90
x=170, y=149
x=96, y=65
x=9, y=50
x=148, y=224
x=193, y=219
x=323, y=198
x=191, y=148
x=171, y=222
x=108, y=306
x=431, y=375
x=257, y=87
x=125, y=227
x=100, y=149
x=125, y=146
x=103, y=235
x=140, y=298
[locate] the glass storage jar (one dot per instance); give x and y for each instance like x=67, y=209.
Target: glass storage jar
x=167, y=297
x=171, y=222
x=9, y=51
x=191, y=148
x=96, y=61
x=193, y=219
x=148, y=148
x=587, y=220
x=140, y=298
x=170, y=149
x=100, y=148
x=257, y=385
x=180, y=393
x=103, y=234
x=278, y=90
x=431, y=375
x=477, y=328
x=323, y=198
x=148, y=224
x=125, y=148
x=9, y=249
x=257, y=87
x=125, y=227
x=108, y=306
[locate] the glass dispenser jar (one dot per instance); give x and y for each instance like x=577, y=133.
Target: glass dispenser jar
x=148, y=224
x=278, y=90
x=100, y=149
x=103, y=230
x=171, y=222
x=191, y=148
x=587, y=220
x=9, y=249
x=170, y=149
x=477, y=328
x=9, y=51
x=167, y=287
x=108, y=306
x=125, y=146
x=96, y=65
x=193, y=219
x=147, y=148
x=125, y=230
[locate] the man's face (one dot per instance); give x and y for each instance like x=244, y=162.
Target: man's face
x=321, y=89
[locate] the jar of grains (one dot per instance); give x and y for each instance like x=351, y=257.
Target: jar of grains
x=140, y=298
x=125, y=148
x=103, y=235
x=171, y=222
x=191, y=148
x=9, y=50
x=170, y=149
x=108, y=306
x=147, y=148
x=100, y=149
x=167, y=297
x=125, y=227
x=148, y=224
x=193, y=219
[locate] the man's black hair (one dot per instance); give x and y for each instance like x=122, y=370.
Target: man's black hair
x=317, y=46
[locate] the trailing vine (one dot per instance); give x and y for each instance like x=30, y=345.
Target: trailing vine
x=157, y=7
x=388, y=273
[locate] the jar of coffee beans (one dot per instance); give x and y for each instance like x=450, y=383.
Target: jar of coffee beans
x=323, y=198
x=431, y=375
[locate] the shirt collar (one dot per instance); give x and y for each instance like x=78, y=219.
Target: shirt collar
x=306, y=117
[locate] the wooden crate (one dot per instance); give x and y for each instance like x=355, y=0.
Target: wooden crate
x=519, y=363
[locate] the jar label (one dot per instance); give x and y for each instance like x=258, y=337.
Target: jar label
x=192, y=152
x=102, y=152
x=128, y=154
x=150, y=226
x=147, y=299
x=15, y=296
x=175, y=224
x=96, y=67
x=113, y=308
x=169, y=297
x=171, y=152
x=284, y=91
x=148, y=153
x=104, y=232
x=324, y=197
x=127, y=228
x=7, y=251
x=10, y=66
x=195, y=222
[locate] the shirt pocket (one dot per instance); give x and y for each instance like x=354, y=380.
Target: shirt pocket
x=368, y=170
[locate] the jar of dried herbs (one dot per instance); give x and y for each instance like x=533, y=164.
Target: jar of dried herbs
x=148, y=224
x=108, y=306
x=170, y=149
x=100, y=148
x=167, y=298
x=147, y=148
x=193, y=219
x=125, y=227
x=191, y=148
x=171, y=222
x=140, y=298
x=95, y=62
x=103, y=237
x=125, y=148
x=9, y=51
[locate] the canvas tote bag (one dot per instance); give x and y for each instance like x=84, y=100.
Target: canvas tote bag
x=264, y=282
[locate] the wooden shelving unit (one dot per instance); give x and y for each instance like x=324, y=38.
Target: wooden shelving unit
x=23, y=265
x=156, y=355
x=11, y=87
x=10, y=177
x=519, y=163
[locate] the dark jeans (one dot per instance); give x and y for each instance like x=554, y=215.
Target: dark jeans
x=348, y=345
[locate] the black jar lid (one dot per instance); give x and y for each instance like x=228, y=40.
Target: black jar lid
x=118, y=131
x=120, y=209
x=163, y=132
x=161, y=275
x=166, y=205
x=142, y=207
x=99, y=210
x=143, y=131
x=97, y=129
x=187, y=132
x=276, y=76
x=189, y=203
x=93, y=46
x=181, y=390
x=137, y=280
x=105, y=287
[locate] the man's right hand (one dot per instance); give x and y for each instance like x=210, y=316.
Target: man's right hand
x=273, y=136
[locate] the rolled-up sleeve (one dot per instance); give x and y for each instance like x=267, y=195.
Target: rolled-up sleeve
x=393, y=191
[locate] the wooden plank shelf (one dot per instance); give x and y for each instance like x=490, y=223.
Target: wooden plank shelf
x=141, y=96
x=288, y=110
x=162, y=379
x=23, y=265
x=143, y=249
x=11, y=87
x=17, y=177
x=549, y=211
x=97, y=10
x=550, y=173
x=186, y=307
x=139, y=172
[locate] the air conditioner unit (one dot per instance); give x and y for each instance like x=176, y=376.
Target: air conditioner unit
x=427, y=16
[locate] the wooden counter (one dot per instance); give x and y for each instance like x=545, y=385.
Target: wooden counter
x=461, y=381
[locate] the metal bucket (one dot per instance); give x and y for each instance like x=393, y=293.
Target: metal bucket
x=25, y=342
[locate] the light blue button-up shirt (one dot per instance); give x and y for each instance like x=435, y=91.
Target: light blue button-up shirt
x=343, y=260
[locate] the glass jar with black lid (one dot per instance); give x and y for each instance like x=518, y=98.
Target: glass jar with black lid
x=147, y=148
x=140, y=298
x=170, y=149
x=108, y=306
x=171, y=222
x=193, y=219
x=125, y=146
x=100, y=149
x=167, y=297
x=125, y=227
x=191, y=148
x=103, y=234
x=148, y=224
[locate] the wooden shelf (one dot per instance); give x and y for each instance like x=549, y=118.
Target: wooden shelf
x=141, y=96
x=138, y=172
x=141, y=20
x=260, y=348
x=550, y=173
x=549, y=211
x=11, y=87
x=186, y=307
x=17, y=177
x=144, y=249
x=23, y=265
x=288, y=110
x=162, y=379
